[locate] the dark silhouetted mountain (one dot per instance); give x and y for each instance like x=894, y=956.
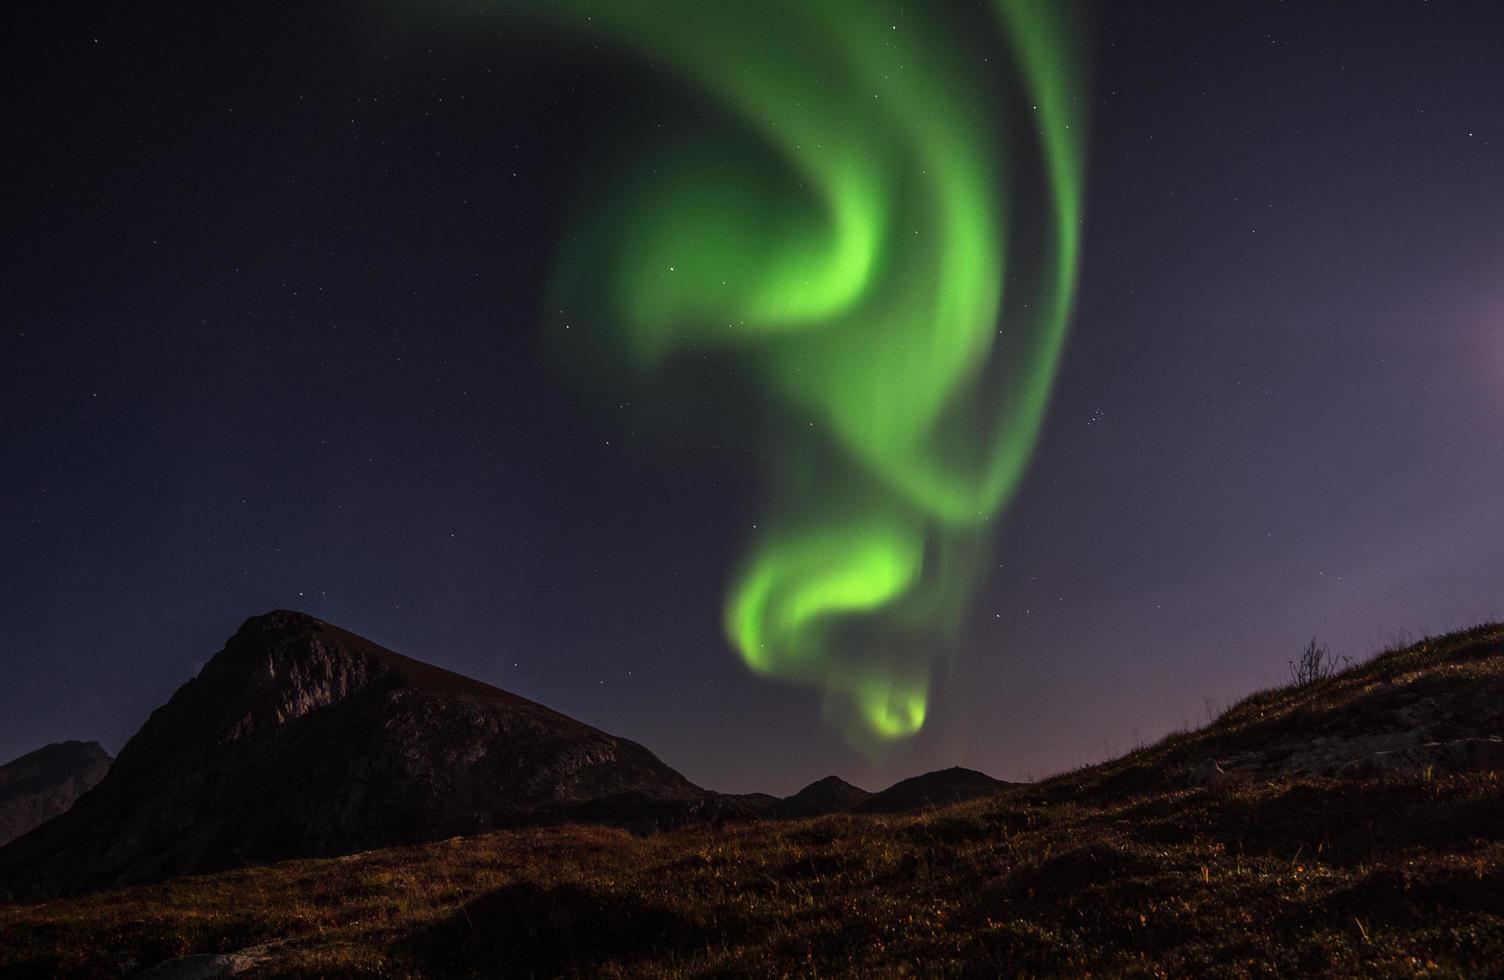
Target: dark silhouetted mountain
x=829, y=795
x=42, y=784
x=749, y=805
x=302, y=739
x=939, y=788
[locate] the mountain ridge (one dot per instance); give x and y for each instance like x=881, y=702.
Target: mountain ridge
x=45, y=782
x=303, y=739
x=1296, y=834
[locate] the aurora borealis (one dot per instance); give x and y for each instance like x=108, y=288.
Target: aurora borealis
x=584, y=349
x=857, y=271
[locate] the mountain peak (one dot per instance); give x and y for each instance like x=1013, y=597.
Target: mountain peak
x=943, y=786
x=300, y=738
x=294, y=637
x=829, y=795
x=39, y=785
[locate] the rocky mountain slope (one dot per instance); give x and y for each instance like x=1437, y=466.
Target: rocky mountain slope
x=42, y=784
x=301, y=739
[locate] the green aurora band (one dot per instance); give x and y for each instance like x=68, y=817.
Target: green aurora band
x=859, y=279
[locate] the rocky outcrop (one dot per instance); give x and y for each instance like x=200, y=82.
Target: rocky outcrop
x=206, y=966
x=1455, y=755
x=43, y=784
x=301, y=739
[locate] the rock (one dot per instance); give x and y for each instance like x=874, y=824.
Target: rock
x=202, y=967
x=1458, y=755
x=1336, y=755
x=1471, y=754
x=1205, y=774
x=43, y=784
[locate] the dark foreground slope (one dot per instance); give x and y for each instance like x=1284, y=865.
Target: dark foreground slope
x=1148, y=865
x=42, y=784
x=301, y=739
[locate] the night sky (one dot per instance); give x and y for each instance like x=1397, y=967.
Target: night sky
x=275, y=282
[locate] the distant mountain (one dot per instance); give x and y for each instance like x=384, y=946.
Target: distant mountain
x=829, y=795
x=301, y=739
x=940, y=788
x=42, y=784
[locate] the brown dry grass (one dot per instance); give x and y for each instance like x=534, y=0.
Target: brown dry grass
x=1118, y=869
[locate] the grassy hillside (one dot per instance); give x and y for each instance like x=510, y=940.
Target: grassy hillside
x=1354, y=825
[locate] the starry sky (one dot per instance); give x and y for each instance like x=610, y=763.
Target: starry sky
x=273, y=285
